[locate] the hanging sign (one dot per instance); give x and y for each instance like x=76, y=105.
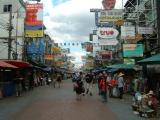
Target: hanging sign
x=107, y=32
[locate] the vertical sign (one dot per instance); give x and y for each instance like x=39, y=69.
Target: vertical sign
x=34, y=20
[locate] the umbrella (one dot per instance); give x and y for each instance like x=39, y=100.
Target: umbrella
x=6, y=65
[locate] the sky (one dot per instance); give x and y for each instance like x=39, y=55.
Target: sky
x=71, y=21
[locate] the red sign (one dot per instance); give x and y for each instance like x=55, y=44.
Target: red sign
x=106, y=55
x=108, y=4
x=34, y=14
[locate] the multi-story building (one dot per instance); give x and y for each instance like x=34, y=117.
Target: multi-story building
x=12, y=14
x=143, y=14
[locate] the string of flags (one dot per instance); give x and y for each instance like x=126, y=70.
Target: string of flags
x=77, y=44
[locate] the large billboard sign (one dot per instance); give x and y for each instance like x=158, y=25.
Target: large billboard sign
x=34, y=20
x=133, y=50
x=108, y=4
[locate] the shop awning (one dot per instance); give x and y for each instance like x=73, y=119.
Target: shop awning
x=6, y=65
x=155, y=59
x=122, y=66
x=19, y=63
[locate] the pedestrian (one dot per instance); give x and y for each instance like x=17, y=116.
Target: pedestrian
x=120, y=82
x=100, y=77
x=79, y=89
x=17, y=81
x=89, y=82
x=103, y=87
x=59, y=79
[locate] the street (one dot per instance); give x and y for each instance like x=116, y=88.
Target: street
x=49, y=103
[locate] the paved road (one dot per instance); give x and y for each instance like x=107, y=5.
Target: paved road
x=48, y=103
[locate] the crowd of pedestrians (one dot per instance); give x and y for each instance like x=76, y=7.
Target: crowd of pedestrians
x=83, y=84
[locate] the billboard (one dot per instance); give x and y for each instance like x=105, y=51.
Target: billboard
x=34, y=20
x=133, y=50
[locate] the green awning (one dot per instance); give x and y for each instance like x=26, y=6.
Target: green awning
x=122, y=66
x=155, y=59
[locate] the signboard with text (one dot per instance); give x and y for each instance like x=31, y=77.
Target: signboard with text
x=133, y=50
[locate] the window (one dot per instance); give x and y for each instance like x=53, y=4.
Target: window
x=7, y=8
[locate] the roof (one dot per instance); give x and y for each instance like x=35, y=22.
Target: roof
x=6, y=65
x=19, y=63
x=155, y=59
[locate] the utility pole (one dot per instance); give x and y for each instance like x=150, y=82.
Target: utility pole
x=10, y=34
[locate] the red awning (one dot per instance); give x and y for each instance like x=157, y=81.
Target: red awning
x=19, y=63
x=6, y=65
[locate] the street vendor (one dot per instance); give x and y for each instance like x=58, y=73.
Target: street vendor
x=152, y=101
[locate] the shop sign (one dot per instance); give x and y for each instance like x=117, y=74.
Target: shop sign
x=145, y=30
x=127, y=32
x=48, y=57
x=107, y=32
x=105, y=55
x=133, y=50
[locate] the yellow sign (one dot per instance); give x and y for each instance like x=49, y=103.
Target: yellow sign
x=34, y=33
x=119, y=22
x=56, y=49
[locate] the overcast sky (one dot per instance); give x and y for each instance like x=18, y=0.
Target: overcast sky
x=71, y=20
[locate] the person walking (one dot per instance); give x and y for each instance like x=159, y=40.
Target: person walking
x=89, y=82
x=120, y=82
x=79, y=89
x=103, y=87
x=59, y=79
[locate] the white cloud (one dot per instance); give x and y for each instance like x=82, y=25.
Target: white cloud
x=71, y=20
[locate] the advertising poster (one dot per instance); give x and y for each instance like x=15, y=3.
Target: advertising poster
x=34, y=20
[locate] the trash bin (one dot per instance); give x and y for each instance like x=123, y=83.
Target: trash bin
x=8, y=89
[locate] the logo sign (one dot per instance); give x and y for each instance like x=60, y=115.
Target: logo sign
x=107, y=33
x=108, y=4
